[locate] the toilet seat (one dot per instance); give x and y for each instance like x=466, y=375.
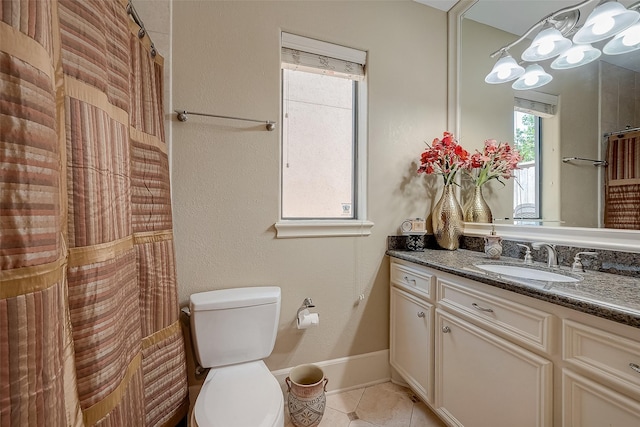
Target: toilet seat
x=244, y=395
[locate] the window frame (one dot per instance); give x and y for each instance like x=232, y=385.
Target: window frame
x=538, y=166
x=359, y=225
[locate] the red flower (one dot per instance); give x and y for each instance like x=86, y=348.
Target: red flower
x=444, y=157
x=498, y=160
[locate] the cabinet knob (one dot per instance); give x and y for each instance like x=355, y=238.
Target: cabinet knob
x=446, y=329
x=421, y=314
x=635, y=367
x=477, y=307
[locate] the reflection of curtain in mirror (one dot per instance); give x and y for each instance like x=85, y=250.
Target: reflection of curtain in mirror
x=622, y=189
x=89, y=330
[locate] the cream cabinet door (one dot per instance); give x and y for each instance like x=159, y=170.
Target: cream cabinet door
x=589, y=404
x=411, y=341
x=485, y=381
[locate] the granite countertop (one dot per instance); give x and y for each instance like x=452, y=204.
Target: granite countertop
x=605, y=295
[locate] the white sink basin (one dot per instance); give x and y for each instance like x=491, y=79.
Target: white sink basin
x=526, y=273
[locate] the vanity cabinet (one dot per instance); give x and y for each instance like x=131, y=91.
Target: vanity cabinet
x=613, y=363
x=483, y=380
x=411, y=327
x=482, y=356
x=587, y=403
x=411, y=338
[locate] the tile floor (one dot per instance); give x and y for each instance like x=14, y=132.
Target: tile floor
x=380, y=405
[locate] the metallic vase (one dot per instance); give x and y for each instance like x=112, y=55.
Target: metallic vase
x=477, y=210
x=446, y=219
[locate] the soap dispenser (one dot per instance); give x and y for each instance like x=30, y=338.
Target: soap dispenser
x=493, y=244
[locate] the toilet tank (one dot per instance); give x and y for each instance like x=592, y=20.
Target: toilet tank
x=230, y=326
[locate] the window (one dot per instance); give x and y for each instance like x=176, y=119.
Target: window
x=323, y=169
x=531, y=107
x=526, y=191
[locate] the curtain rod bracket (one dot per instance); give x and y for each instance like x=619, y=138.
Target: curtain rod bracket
x=183, y=116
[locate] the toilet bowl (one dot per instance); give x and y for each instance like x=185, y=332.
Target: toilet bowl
x=245, y=395
x=232, y=331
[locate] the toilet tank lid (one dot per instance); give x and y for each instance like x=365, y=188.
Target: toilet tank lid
x=233, y=298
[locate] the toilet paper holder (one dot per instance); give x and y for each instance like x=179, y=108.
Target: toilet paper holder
x=304, y=318
x=307, y=303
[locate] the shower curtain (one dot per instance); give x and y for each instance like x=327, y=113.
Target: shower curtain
x=622, y=182
x=89, y=317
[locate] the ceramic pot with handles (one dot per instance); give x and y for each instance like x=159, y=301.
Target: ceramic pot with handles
x=306, y=402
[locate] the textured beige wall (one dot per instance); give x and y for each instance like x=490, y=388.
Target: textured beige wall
x=226, y=174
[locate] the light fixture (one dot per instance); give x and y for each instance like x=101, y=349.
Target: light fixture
x=624, y=42
x=576, y=56
x=533, y=77
x=505, y=70
x=548, y=43
x=606, y=20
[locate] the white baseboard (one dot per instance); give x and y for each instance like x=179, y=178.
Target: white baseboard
x=348, y=373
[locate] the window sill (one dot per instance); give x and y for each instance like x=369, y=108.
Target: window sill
x=322, y=228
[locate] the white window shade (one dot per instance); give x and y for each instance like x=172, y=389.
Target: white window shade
x=536, y=103
x=315, y=56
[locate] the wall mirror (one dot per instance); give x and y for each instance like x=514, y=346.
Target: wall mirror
x=571, y=191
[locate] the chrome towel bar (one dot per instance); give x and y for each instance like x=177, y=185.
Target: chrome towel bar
x=183, y=116
x=595, y=162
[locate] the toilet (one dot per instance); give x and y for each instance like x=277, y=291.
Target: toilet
x=232, y=331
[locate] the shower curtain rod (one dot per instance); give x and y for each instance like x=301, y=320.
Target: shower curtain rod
x=595, y=162
x=183, y=116
x=143, y=31
x=621, y=132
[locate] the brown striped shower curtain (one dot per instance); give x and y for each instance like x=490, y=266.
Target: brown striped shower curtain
x=622, y=182
x=89, y=331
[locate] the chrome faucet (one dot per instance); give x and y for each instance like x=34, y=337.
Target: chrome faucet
x=552, y=255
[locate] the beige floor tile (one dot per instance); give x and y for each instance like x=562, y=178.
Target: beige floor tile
x=331, y=418
x=361, y=423
x=422, y=416
x=345, y=402
x=334, y=418
x=385, y=405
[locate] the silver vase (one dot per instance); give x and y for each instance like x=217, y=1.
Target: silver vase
x=477, y=210
x=446, y=219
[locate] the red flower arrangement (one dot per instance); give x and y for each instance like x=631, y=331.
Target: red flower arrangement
x=497, y=161
x=444, y=157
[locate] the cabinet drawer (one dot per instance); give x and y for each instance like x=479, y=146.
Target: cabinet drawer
x=412, y=279
x=521, y=323
x=608, y=356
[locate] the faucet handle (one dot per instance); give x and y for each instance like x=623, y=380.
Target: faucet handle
x=528, y=258
x=577, y=262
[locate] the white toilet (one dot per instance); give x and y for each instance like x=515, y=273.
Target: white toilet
x=232, y=331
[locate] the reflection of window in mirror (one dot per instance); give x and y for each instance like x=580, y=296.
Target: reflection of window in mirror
x=526, y=191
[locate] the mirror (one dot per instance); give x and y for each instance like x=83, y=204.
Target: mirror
x=571, y=193
x=588, y=237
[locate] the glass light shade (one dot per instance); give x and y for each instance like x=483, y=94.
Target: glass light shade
x=606, y=20
x=624, y=42
x=547, y=44
x=534, y=76
x=578, y=55
x=505, y=70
